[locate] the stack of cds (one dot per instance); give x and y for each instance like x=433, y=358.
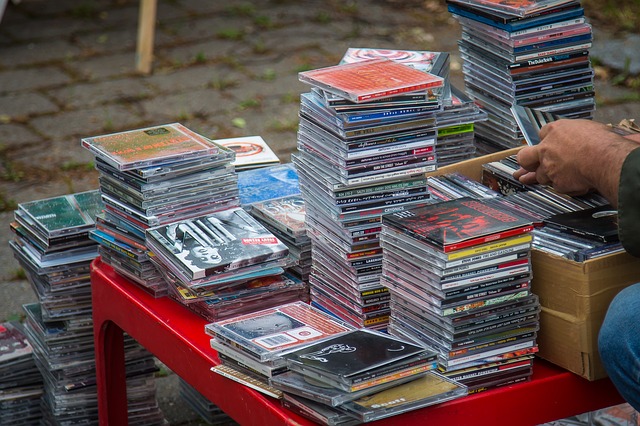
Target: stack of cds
x=363, y=375
x=364, y=147
x=250, y=345
x=455, y=122
x=223, y=263
x=64, y=354
x=456, y=128
x=272, y=195
x=536, y=55
x=150, y=177
x=449, y=186
x=20, y=379
x=51, y=244
x=208, y=411
x=285, y=217
x=459, y=273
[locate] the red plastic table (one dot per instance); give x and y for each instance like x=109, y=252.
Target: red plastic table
x=176, y=336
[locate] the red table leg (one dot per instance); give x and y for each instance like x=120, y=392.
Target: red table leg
x=110, y=372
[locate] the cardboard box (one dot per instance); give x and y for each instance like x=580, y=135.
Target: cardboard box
x=574, y=295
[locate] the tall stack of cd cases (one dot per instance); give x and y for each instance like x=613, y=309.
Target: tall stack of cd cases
x=534, y=55
x=52, y=245
x=459, y=274
x=355, y=162
x=154, y=176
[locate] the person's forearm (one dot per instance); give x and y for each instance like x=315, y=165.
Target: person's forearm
x=605, y=160
x=634, y=137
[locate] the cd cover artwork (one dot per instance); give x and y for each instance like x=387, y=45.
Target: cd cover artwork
x=221, y=241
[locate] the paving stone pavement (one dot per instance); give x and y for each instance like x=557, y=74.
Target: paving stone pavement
x=223, y=69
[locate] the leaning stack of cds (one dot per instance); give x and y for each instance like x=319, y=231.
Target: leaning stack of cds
x=285, y=217
x=364, y=374
x=459, y=274
x=155, y=176
x=536, y=55
x=456, y=128
x=20, y=379
x=223, y=263
x=272, y=195
x=364, y=144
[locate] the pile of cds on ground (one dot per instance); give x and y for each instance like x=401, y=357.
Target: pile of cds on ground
x=20, y=380
x=150, y=177
x=363, y=149
x=532, y=55
x=52, y=244
x=459, y=273
x=64, y=354
x=208, y=411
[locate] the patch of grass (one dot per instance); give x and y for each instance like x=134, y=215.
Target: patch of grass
x=284, y=125
x=7, y=204
x=304, y=67
x=290, y=98
x=18, y=275
x=260, y=47
x=108, y=125
x=163, y=371
x=221, y=83
x=70, y=166
x=230, y=34
x=200, y=58
x=232, y=62
x=15, y=317
x=184, y=116
x=323, y=17
x=264, y=22
x=250, y=103
x=85, y=10
x=10, y=172
x=268, y=74
x=242, y=9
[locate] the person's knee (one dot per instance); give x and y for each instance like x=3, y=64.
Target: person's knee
x=613, y=336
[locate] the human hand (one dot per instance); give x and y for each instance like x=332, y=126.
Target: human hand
x=575, y=157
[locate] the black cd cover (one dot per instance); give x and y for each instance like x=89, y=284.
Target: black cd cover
x=354, y=353
x=598, y=223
